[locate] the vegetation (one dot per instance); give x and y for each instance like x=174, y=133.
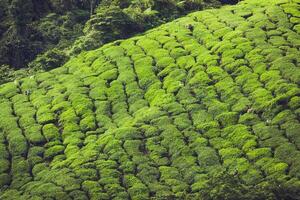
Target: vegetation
x=38, y=36
x=204, y=107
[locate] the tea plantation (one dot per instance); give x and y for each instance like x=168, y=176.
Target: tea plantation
x=204, y=107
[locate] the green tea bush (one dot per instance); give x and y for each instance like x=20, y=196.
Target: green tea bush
x=148, y=44
x=227, y=119
x=238, y=134
x=144, y=70
x=5, y=165
x=35, y=155
x=291, y=131
x=259, y=153
x=207, y=157
x=19, y=98
x=229, y=153
x=205, y=107
x=200, y=78
x=45, y=116
x=283, y=117
x=53, y=151
x=17, y=143
x=186, y=62
x=24, y=109
x=51, y=132
x=138, y=191
x=249, y=119
x=127, y=133
x=33, y=134
x=286, y=152
x=88, y=123
x=164, y=62
x=216, y=107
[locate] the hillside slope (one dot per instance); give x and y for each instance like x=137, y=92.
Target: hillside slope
x=162, y=115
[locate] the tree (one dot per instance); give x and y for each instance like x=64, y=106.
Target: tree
x=21, y=12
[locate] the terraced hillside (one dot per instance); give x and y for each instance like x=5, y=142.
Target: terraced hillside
x=157, y=116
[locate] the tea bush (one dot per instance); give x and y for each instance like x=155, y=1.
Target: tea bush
x=205, y=107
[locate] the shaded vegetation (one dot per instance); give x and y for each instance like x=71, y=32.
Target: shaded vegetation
x=30, y=31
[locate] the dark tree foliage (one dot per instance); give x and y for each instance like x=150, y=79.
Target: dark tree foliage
x=108, y=24
x=21, y=27
x=225, y=186
x=51, y=59
x=229, y=1
x=29, y=28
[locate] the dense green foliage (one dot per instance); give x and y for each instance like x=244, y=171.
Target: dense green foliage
x=204, y=107
x=32, y=32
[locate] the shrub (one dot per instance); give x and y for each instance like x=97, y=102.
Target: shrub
x=35, y=155
x=82, y=105
x=26, y=120
x=86, y=174
x=164, y=62
x=200, y=78
x=168, y=173
x=200, y=117
x=238, y=134
x=8, y=90
x=5, y=179
x=270, y=76
x=4, y=165
x=186, y=62
x=228, y=118
x=229, y=153
x=98, y=93
x=17, y=143
x=54, y=151
x=182, y=121
x=44, y=115
x=109, y=75
x=278, y=168
x=216, y=73
x=59, y=98
x=286, y=152
x=127, y=133
x=115, y=190
x=48, y=190
x=258, y=153
x=68, y=116
x=51, y=132
x=19, y=166
x=19, y=98
x=61, y=107
x=283, y=117
x=291, y=129
x=146, y=76
x=88, y=123
x=138, y=191
x=219, y=143
x=178, y=52
x=264, y=131
x=207, y=157
x=53, y=58
x=34, y=135
x=249, y=119
x=113, y=52
x=148, y=44
x=77, y=195
x=134, y=92
x=216, y=107
x=237, y=165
